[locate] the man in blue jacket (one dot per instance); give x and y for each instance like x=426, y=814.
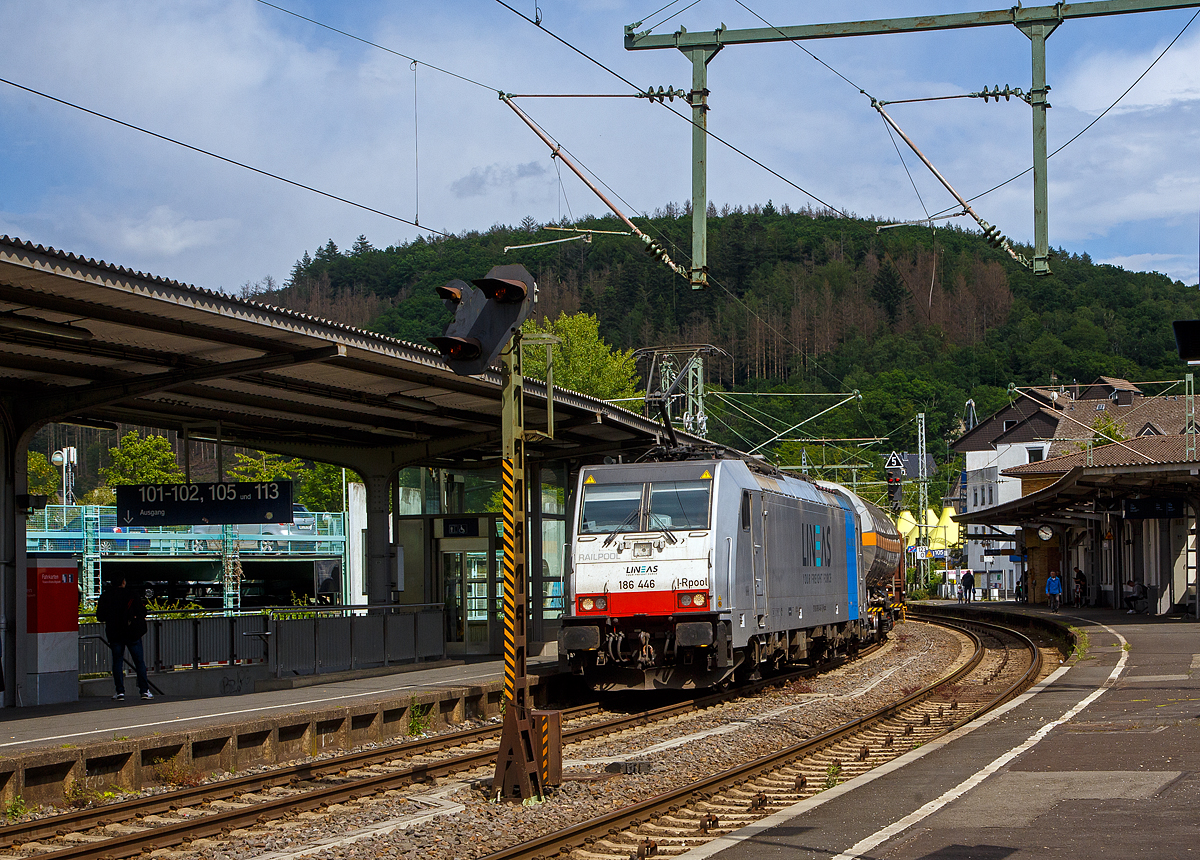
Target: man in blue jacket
x=1054, y=591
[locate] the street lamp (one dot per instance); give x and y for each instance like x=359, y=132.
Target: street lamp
x=66, y=459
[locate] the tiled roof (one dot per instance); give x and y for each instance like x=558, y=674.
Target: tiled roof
x=1141, y=451
x=1166, y=414
x=1117, y=384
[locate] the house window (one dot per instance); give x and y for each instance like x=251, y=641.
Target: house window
x=975, y=497
x=1009, y=424
x=1036, y=454
x=991, y=495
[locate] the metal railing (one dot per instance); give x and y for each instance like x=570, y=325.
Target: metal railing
x=290, y=640
x=94, y=534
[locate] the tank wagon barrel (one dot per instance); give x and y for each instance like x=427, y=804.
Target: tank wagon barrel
x=689, y=574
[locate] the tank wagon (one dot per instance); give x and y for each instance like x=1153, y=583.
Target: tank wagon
x=689, y=574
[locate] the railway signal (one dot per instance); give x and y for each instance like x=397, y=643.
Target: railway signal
x=485, y=317
x=487, y=323
x=895, y=487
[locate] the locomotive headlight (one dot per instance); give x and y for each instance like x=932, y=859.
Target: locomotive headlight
x=642, y=550
x=685, y=600
x=698, y=599
x=602, y=603
x=588, y=604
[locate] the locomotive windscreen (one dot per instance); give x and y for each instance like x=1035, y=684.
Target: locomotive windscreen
x=679, y=505
x=610, y=508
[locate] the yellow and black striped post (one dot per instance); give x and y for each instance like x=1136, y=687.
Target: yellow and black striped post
x=518, y=776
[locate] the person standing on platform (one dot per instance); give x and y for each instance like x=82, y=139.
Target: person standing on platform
x=1080, y=587
x=968, y=586
x=122, y=610
x=1054, y=591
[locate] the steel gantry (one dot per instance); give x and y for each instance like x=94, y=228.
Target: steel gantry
x=1036, y=22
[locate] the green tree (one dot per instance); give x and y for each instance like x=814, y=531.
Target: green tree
x=142, y=461
x=583, y=361
x=321, y=487
x=1105, y=430
x=43, y=477
x=261, y=466
x=99, y=496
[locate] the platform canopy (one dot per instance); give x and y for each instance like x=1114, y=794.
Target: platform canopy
x=86, y=342
x=1081, y=487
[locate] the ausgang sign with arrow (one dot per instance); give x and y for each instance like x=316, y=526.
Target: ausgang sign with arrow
x=204, y=504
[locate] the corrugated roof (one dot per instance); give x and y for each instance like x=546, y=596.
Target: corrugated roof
x=175, y=356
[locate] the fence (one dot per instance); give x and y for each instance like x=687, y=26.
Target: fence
x=291, y=640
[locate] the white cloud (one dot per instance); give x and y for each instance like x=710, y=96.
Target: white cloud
x=1103, y=75
x=1167, y=264
x=161, y=233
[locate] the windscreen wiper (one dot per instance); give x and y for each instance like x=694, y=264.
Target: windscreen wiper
x=636, y=512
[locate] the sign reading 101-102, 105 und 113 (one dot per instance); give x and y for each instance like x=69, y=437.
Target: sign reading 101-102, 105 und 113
x=204, y=504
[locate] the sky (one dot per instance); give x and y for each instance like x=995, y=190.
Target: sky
x=433, y=143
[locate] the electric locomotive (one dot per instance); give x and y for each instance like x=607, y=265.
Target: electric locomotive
x=687, y=574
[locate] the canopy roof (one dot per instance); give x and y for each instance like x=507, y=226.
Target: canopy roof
x=83, y=341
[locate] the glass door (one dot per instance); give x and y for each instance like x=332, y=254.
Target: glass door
x=467, y=583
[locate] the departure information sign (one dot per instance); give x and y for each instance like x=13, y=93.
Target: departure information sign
x=204, y=504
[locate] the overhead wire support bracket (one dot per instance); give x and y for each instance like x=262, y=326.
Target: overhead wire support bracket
x=586, y=237
x=652, y=247
x=925, y=221
x=992, y=234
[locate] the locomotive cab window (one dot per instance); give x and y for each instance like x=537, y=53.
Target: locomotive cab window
x=609, y=508
x=679, y=505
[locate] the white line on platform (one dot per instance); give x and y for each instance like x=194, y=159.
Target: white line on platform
x=875, y=840
x=785, y=816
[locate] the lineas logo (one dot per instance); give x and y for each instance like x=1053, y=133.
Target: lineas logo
x=642, y=568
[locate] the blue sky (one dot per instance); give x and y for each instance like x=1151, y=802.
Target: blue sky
x=256, y=85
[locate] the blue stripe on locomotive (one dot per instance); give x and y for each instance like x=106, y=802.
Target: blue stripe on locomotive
x=851, y=559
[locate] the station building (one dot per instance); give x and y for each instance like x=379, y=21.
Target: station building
x=1045, y=424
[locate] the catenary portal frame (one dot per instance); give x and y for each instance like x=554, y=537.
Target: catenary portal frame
x=95, y=344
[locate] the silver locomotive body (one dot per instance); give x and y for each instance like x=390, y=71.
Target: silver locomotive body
x=685, y=573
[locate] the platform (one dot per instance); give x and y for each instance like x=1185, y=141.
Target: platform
x=110, y=743
x=1099, y=760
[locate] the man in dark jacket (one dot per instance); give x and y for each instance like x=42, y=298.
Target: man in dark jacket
x=968, y=586
x=123, y=612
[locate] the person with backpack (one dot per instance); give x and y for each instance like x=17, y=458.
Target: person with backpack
x=122, y=610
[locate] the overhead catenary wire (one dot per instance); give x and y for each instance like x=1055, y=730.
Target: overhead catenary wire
x=218, y=157
x=368, y=42
x=686, y=119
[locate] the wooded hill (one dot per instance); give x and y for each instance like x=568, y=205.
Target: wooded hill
x=915, y=319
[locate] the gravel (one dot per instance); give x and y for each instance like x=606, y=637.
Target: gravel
x=456, y=821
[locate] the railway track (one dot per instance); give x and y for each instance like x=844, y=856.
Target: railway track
x=216, y=809
x=1004, y=664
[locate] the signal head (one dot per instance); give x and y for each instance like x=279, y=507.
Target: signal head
x=452, y=293
x=458, y=348
x=504, y=291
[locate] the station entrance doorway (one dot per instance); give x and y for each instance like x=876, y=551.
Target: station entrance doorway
x=467, y=582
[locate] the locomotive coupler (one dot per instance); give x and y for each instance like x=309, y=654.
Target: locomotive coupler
x=646, y=652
